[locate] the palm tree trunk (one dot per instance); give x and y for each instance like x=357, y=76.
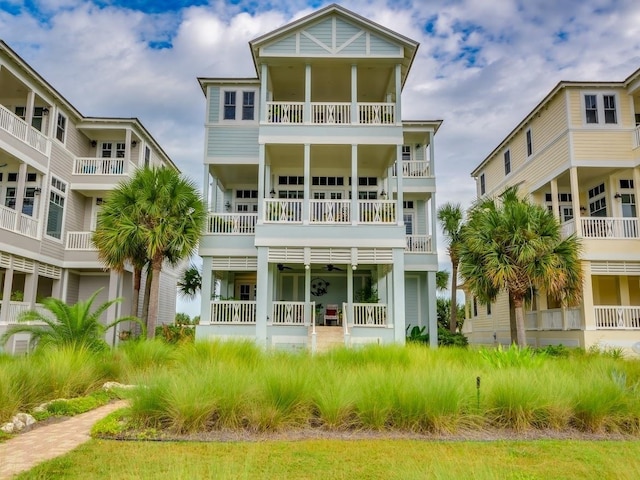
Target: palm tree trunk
x=135, y=301
x=453, y=315
x=518, y=303
x=147, y=293
x=154, y=298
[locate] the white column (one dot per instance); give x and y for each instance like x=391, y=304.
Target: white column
x=555, y=207
x=399, y=323
x=307, y=293
x=64, y=289
x=432, y=161
x=267, y=180
x=261, y=192
x=575, y=199
x=22, y=177
x=355, y=118
x=206, y=290
x=636, y=187
x=31, y=286
x=399, y=192
x=127, y=149
x=432, y=312
x=307, y=184
x=28, y=111
x=206, y=189
x=399, y=97
x=588, y=313
x=6, y=293
x=264, y=85
x=434, y=223
x=112, y=312
x=354, y=185
x=262, y=289
x=307, y=94
x=349, y=293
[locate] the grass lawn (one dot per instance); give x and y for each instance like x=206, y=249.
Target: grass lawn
x=340, y=459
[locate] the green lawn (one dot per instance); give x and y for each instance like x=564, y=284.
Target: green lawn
x=343, y=459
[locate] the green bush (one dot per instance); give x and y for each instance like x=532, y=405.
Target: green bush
x=176, y=333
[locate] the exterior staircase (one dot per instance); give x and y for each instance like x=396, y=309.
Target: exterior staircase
x=327, y=338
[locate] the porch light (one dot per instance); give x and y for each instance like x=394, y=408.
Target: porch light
x=94, y=143
x=617, y=196
x=272, y=193
x=45, y=111
x=307, y=267
x=134, y=143
x=583, y=209
x=383, y=194
x=37, y=191
x=227, y=205
x=354, y=267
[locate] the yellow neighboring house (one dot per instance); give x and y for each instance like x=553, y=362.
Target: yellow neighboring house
x=578, y=153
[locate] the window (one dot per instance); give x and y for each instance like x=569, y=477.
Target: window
x=626, y=183
x=609, y=109
x=12, y=177
x=475, y=307
x=290, y=180
x=482, y=185
x=406, y=153
x=32, y=177
x=61, y=126
x=229, y=105
x=147, y=156
x=56, y=208
x=330, y=181
x=10, y=198
x=36, y=120
x=107, y=148
x=246, y=193
x=507, y=162
x=597, y=201
x=408, y=204
x=290, y=194
x=488, y=308
x=28, y=200
x=591, y=109
x=248, y=105
x=529, y=143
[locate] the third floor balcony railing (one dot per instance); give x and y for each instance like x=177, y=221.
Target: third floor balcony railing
x=21, y=130
x=331, y=113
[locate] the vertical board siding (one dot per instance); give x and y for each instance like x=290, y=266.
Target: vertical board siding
x=285, y=46
x=379, y=46
x=73, y=286
x=232, y=142
x=214, y=104
x=420, y=219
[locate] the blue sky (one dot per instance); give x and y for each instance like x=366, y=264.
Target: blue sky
x=482, y=65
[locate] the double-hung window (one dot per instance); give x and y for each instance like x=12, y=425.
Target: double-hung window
x=507, y=162
x=61, y=127
x=229, y=105
x=482, y=185
x=609, y=109
x=600, y=109
x=248, y=105
x=56, y=208
x=591, y=108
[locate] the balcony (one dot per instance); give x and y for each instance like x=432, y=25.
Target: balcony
x=413, y=169
x=231, y=223
x=233, y=312
x=617, y=318
x=554, y=319
x=330, y=113
x=19, y=129
x=16, y=308
x=101, y=166
x=369, y=315
x=15, y=222
x=636, y=137
x=330, y=211
x=80, y=241
x=418, y=244
x=604, y=227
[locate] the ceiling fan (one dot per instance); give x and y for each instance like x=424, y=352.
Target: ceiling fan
x=331, y=268
x=282, y=267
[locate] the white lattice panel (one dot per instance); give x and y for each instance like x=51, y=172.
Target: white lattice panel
x=235, y=263
x=622, y=268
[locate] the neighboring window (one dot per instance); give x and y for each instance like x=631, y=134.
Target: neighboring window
x=36, y=121
x=61, y=127
x=147, y=156
x=609, y=109
x=10, y=198
x=107, y=149
x=290, y=194
x=366, y=181
x=366, y=195
x=120, y=148
x=28, y=200
x=229, y=105
x=623, y=183
x=475, y=307
x=21, y=112
x=529, y=143
x=330, y=181
x=246, y=193
x=482, y=185
x=507, y=162
x=488, y=308
x=12, y=177
x=406, y=153
x=248, y=105
x=591, y=108
x=407, y=204
x=290, y=180
x=597, y=201
x=32, y=177
x=56, y=208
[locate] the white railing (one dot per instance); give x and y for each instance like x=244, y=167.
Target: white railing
x=568, y=228
x=617, y=317
x=551, y=319
x=233, y=312
x=573, y=319
x=8, y=218
x=16, y=308
x=99, y=166
x=28, y=226
x=530, y=320
x=636, y=137
x=330, y=211
x=80, y=241
x=282, y=210
x=232, y=223
x=326, y=113
x=377, y=113
x=19, y=129
x=22, y=224
x=610, y=227
x=377, y=211
x=369, y=314
x=413, y=168
x=418, y=244
x=285, y=112
x=288, y=313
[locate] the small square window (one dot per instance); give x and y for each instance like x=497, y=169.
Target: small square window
x=12, y=177
x=32, y=177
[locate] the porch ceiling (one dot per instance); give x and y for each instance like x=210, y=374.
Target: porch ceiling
x=230, y=175
x=330, y=156
x=587, y=177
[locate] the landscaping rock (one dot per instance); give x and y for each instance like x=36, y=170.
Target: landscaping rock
x=25, y=418
x=18, y=425
x=112, y=385
x=7, y=427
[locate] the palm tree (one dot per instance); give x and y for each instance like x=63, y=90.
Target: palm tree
x=511, y=244
x=450, y=216
x=190, y=283
x=442, y=280
x=67, y=325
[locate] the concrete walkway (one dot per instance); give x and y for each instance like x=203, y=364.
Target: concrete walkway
x=26, y=450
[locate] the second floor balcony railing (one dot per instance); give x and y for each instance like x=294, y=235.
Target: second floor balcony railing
x=413, y=169
x=418, y=244
x=232, y=223
x=21, y=130
x=101, y=166
x=331, y=113
x=636, y=137
x=610, y=227
x=330, y=211
x=281, y=210
x=80, y=241
x=23, y=224
x=377, y=211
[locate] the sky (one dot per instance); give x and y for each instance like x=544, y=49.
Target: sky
x=481, y=67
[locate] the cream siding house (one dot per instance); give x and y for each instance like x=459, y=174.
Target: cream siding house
x=56, y=168
x=321, y=199
x=578, y=153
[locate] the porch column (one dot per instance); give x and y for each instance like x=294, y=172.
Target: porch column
x=399, y=322
x=432, y=312
x=307, y=94
x=31, y=286
x=22, y=178
x=267, y=180
x=432, y=162
x=625, y=298
x=127, y=150
x=636, y=189
x=355, y=117
x=206, y=188
x=6, y=293
x=434, y=224
x=272, y=287
x=588, y=313
x=349, y=294
x=398, y=92
x=206, y=290
x=56, y=288
x=113, y=311
x=261, y=193
x=307, y=184
x=307, y=293
x=399, y=192
x=28, y=111
x=575, y=199
x=262, y=289
x=264, y=85
x=390, y=291
x=555, y=207
x=64, y=289
x=354, y=185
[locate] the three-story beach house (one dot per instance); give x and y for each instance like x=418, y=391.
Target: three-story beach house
x=578, y=153
x=56, y=168
x=321, y=198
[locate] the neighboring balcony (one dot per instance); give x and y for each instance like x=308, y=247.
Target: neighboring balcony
x=231, y=223
x=617, y=317
x=80, y=241
x=16, y=308
x=418, y=244
x=554, y=319
x=16, y=222
x=414, y=169
x=330, y=113
x=22, y=131
x=604, y=227
x=93, y=167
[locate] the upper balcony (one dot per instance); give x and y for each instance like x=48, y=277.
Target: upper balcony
x=22, y=137
x=331, y=113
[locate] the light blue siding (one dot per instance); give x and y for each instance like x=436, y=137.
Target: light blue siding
x=322, y=31
x=379, y=46
x=232, y=142
x=309, y=46
x=357, y=47
x=420, y=219
x=214, y=104
x=344, y=31
x=411, y=305
x=286, y=45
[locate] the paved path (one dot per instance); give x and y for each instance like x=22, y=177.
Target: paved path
x=26, y=450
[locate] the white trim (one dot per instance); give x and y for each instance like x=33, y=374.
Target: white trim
x=239, y=91
x=600, y=94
